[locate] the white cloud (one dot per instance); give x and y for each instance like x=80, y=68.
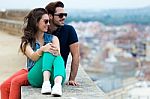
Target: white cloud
x=76, y=4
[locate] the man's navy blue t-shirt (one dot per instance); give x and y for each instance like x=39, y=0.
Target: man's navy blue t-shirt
x=67, y=36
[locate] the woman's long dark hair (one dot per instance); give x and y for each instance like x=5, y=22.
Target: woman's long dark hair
x=30, y=27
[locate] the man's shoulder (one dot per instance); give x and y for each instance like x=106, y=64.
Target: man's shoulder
x=68, y=26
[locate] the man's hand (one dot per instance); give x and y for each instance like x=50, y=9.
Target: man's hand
x=54, y=50
x=74, y=49
x=72, y=82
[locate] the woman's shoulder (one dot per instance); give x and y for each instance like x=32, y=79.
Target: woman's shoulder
x=55, y=37
x=48, y=37
x=47, y=34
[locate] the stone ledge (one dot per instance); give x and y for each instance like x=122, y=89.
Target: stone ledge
x=86, y=90
x=11, y=26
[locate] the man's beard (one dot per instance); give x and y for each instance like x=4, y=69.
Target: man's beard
x=57, y=25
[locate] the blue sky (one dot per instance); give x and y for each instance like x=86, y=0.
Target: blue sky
x=76, y=4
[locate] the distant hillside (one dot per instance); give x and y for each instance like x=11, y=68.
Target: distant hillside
x=107, y=17
x=113, y=17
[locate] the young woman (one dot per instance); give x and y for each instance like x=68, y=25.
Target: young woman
x=46, y=68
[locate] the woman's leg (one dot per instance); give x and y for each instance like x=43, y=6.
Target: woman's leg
x=35, y=75
x=5, y=86
x=59, y=76
x=59, y=70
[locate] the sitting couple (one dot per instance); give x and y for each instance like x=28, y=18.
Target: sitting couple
x=46, y=43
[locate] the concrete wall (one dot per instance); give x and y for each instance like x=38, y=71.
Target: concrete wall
x=11, y=26
x=11, y=21
x=13, y=14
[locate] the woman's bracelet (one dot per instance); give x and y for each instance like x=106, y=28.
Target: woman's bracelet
x=38, y=53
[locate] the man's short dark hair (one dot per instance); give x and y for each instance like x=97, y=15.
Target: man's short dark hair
x=51, y=7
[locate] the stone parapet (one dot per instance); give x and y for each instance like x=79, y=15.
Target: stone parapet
x=86, y=90
x=11, y=26
x=13, y=14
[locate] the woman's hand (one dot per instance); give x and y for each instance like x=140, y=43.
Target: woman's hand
x=49, y=47
x=46, y=48
x=54, y=50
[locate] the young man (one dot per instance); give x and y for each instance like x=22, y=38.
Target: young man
x=68, y=43
x=66, y=35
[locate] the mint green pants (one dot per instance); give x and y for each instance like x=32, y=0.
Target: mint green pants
x=47, y=62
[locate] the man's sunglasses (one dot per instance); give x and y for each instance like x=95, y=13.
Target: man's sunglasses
x=46, y=21
x=61, y=15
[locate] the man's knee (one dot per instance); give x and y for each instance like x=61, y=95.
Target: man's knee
x=20, y=80
x=5, y=86
x=24, y=70
x=15, y=82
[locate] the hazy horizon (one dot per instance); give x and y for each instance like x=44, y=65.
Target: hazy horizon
x=77, y=4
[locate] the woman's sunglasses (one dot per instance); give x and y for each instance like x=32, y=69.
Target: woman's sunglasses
x=61, y=15
x=46, y=21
